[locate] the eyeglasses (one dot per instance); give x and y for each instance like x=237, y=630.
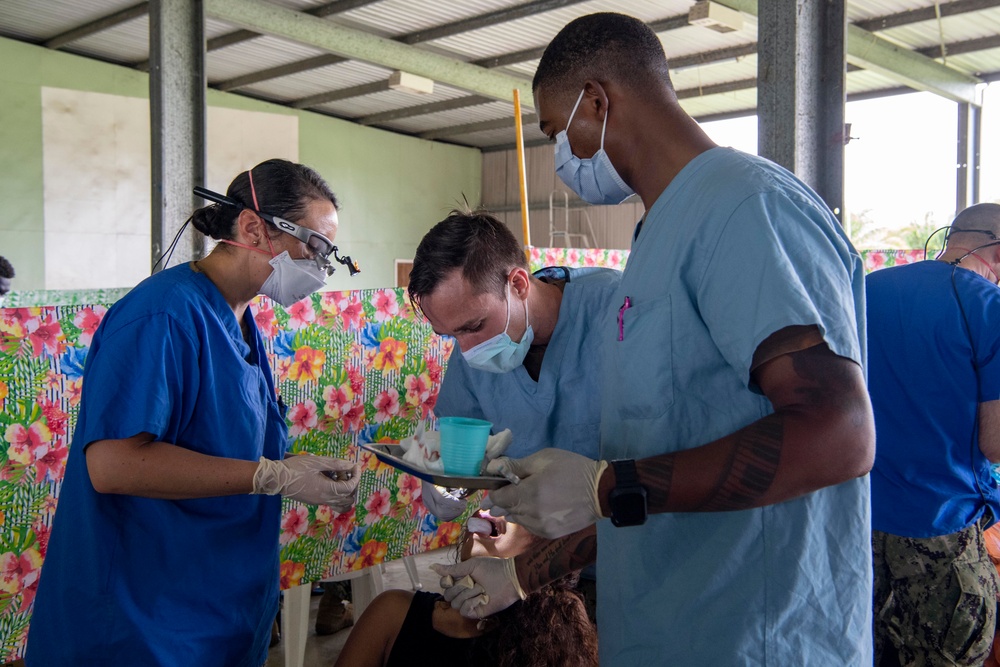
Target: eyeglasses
x=320, y=246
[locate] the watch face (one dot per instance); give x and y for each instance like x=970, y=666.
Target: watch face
x=628, y=508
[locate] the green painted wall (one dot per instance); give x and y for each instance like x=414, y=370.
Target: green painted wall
x=392, y=187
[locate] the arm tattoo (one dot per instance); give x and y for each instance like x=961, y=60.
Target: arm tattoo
x=750, y=469
x=552, y=559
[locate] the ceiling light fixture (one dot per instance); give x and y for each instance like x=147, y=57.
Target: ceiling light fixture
x=715, y=17
x=411, y=83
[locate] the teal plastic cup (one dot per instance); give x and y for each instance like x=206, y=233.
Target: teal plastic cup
x=463, y=444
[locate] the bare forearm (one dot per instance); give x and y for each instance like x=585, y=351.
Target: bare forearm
x=162, y=470
x=551, y=559
x=822, y=435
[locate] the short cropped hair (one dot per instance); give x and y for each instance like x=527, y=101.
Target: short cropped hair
x=6, y=268
x=605, y=46
x=978, y=218
x=474, y=241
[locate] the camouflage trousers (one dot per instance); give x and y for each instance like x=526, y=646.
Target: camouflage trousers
x=935, y=599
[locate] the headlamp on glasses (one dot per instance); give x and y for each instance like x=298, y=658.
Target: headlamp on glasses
x=320, y=246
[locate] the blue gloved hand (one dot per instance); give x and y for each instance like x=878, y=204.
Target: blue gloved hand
x=555, y=496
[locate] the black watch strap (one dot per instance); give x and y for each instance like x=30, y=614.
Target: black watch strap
x=625, y=473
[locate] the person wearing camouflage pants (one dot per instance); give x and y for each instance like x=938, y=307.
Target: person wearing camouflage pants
x=934, y=380
x=934, y=599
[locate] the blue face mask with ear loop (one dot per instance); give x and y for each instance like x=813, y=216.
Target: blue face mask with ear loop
x=500, y=354
x=594, y=179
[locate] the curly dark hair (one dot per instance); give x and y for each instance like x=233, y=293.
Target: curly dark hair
x=549, y=628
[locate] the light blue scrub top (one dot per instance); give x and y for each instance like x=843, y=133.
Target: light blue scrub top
x=140, y=581
x=562, y=409
x=735, y=249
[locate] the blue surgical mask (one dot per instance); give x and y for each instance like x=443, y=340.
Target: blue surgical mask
x=594, y=179
x=500, y=354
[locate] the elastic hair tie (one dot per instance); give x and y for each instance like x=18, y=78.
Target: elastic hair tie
x=253, y=192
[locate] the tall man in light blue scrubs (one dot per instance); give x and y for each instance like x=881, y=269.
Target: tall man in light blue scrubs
x=736, y=429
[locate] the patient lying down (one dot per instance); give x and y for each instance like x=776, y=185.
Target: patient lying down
x=406, y=629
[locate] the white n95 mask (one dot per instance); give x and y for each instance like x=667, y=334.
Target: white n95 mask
x=292, y=280
x=594, y=179
x=500, y=354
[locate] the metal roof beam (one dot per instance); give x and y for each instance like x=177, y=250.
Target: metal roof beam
x=430, y=34
x=481, y=126
x=98, y=25
x=281, y=70
x=485, y=20
x=925, y=14
x=868, y=50
x=958, y=48
x=329, y=9
x=334, y=95
x=356, y=44
x=423, y=109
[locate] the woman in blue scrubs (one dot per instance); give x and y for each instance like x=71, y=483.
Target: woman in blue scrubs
x=164, y=548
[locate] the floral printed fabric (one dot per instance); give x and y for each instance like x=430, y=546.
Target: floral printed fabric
x=539, y=258
x=352, y=367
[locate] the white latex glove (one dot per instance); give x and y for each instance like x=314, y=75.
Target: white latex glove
x=480, y=587
x=441, y=503
x=498, y=444
x=307, y=478
x=556, y=495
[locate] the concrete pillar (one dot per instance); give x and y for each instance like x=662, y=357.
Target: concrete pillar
x=177, y=121
x=968, y=139
x=800, y=91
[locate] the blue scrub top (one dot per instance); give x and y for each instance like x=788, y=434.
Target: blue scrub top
x=562, y=409
x=735, y=249
x=930, y=477
x=148, y=582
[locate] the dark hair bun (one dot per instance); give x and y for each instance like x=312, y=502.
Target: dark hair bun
x=213, y=221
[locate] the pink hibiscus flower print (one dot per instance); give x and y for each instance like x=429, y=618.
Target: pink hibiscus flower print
x=354, y=417
x=409, y=489
x=301, y=314
x=377, y=506
x=294, y=523
x=386, y=405
x=338, y=400
x=265, y=319
x=386, y=305
x=50, y=461
x=23, y=441
x=357, y=379
x=351, y=310
x=55, y=418
x=343, y=522
x=19, y=574
x=303, y=417
x=87, y=320
x=46, y=337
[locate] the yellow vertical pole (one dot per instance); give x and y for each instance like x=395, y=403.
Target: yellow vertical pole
x=522, y=177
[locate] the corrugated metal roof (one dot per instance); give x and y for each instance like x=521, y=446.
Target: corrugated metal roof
x=127, y=42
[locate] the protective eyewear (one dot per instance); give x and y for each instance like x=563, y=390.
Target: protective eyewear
x=320, y=246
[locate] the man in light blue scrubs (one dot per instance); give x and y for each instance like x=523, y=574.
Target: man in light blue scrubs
x=528, y=346
x=736, y=428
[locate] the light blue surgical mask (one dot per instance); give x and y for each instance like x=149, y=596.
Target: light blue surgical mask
x=594, y=179
x=500, y=354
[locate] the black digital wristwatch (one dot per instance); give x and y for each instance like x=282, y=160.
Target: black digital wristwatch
x=628, y=499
